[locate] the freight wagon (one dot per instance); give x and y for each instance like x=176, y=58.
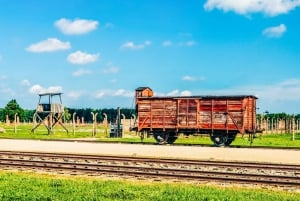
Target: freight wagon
x=222, y=117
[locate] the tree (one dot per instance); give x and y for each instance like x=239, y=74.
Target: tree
x=12, y=108
x=2, y=115
x=67, y=114
x=28, y=115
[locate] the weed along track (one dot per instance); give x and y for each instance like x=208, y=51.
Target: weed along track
x=269, y=175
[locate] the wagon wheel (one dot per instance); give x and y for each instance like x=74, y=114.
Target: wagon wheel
x=219, y=139
x=165, y=137
x=231, y=138
x=159, y=137
x=172, y=137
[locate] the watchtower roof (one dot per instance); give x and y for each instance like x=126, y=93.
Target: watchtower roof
x=50, y=94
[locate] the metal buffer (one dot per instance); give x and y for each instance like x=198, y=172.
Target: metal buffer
x=49, y=112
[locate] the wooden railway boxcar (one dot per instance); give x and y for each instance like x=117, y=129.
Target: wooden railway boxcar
x=222, y=117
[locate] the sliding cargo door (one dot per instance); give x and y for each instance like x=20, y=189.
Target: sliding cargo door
x=163, y=114
x=187, y=113
x=157, y=114
x=213, y=114
x=221, y=114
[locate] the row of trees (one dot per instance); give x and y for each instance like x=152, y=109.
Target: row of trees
x=278, y=116
x=110, y=113
x=24, y=115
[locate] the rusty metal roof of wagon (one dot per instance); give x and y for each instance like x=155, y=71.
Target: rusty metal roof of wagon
x=203, y=97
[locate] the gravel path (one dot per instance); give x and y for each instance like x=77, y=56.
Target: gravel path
x=201, y=153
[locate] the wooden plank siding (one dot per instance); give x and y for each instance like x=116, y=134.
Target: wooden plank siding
x=229, y=113
x=157, y=113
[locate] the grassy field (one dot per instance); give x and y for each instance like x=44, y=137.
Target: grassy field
x=23, y=131
x=26, y=186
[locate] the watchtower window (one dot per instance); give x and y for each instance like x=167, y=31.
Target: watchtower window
x=44, y=107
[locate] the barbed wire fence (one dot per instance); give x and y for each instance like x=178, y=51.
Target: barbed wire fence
x=276, y=125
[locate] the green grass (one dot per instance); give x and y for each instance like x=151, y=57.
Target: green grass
x=26, y=186
x=23, y=131
x=274, y=140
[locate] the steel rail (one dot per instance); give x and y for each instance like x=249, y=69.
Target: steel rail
x=165, y=172
x=165, y=161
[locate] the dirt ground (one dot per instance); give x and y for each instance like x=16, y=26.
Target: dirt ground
x=160, y=151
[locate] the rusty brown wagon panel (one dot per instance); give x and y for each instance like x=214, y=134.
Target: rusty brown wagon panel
x=157, y=113
x=195, y=114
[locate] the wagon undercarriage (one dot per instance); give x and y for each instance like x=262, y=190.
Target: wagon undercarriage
x=169, y=137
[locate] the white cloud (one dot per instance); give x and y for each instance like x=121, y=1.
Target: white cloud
x=290, y=82
x=99, y=94
x=186, y=93
x=77, y=26
x=132, y=46
x=110, y=93
x=49, y=45
x=244, y=7
x=0, y=57
x=167, y=43
x=37, y=89
x=81, y=72
x=285, y=90
x=75, y=94
x=54, y=89
x=192, y=78
x=188, y=78
x=275, y=32
x=282, y=96
x=25, y=83
x=188, y=43
x=173, y=93
x=79, y=57
x=123, y=93
x=111, y=70
x=176, y=92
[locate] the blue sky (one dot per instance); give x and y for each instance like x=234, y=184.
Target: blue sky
x=97, y=52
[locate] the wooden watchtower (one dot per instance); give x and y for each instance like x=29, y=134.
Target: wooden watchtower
x=49, y=112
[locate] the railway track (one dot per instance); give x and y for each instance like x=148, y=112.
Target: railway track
x=275, y=175
x=178, y=144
